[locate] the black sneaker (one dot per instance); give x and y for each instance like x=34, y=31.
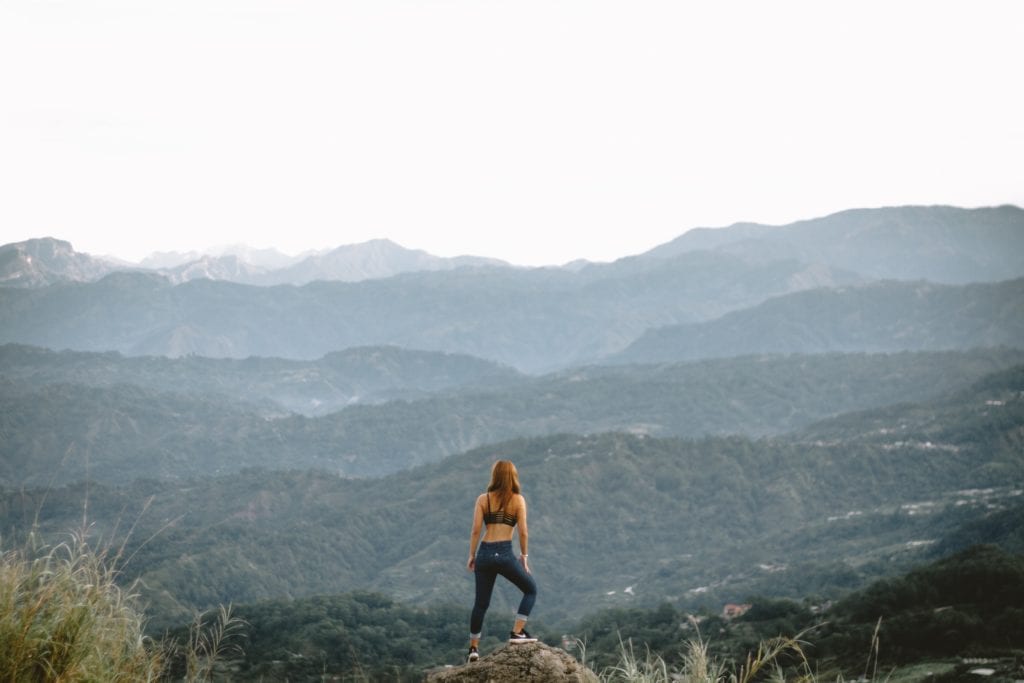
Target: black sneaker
x=521, y=637
x=473, y=655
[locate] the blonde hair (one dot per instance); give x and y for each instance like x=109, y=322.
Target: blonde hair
x=504, y=482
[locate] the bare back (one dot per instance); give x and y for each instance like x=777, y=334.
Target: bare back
x=501, y=532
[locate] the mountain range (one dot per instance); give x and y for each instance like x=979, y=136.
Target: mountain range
x=695, y=297
x=533, y=320
x=53, y=431
x=45, y=261
x=937, y=243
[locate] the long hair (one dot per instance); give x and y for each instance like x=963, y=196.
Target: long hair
x=504, y=482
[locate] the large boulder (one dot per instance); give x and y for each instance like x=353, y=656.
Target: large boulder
x=518, y=663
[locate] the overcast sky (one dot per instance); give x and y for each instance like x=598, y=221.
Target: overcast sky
x=535, y=132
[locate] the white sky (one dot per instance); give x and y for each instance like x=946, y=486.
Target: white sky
x=532, y=131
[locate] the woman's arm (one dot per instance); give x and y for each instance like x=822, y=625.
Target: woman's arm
x=474, y=535
x=524, y=533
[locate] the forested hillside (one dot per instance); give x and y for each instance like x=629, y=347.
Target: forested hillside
x=357, y=375
x=695, y=522
x=67, y=432
x=967, y=604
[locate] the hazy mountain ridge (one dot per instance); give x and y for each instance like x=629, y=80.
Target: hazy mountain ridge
x=117, y=433
x=267, y=259
x=46, y=261
x=838, y=512
x=339, y=379
x=937, y=243
x=371, y=260
x=878, y=317
x=228, y=267
x=534, y=320
x=375, y=259
x=541, y=319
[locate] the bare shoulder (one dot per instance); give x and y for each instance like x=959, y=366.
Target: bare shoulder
x=520, y=501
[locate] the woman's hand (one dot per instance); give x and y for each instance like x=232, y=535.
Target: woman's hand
x=526, y=564
x=471, y=564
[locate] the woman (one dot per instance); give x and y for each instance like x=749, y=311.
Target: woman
x=501, y=508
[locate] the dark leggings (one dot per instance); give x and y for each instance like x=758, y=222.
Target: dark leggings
x=493, y=559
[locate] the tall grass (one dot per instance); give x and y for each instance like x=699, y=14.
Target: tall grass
x=698, y=667
x=64, y=618
x=208, y=643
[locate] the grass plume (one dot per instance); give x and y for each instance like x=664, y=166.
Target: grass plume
x=64, y=618
x=698, y=667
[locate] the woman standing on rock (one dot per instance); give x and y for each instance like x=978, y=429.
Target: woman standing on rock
x=501, y=508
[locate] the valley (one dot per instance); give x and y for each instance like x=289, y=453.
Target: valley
x=812, y=420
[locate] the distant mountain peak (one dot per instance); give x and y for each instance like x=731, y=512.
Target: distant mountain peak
x=370, y=260
x=38, y=244
x=44, y=261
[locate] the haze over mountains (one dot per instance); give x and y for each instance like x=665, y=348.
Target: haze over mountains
x=547, y=318
x=936, y=243
x=878, y=317
x=940, y=244
x=754, y=409
x=44, y=261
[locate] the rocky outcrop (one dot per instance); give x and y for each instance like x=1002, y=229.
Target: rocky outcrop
x=518, y=663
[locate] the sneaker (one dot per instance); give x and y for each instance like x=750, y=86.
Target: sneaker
x=473, y=655
x=521, y=637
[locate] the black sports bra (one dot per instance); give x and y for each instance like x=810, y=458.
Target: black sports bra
x=497, y=516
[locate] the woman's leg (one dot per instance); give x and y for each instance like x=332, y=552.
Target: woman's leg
x=521, y=579
x=485, y=577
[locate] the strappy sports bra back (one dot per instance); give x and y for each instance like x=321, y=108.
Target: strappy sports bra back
x=497, y=516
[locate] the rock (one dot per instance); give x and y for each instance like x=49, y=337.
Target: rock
x=518, y=663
